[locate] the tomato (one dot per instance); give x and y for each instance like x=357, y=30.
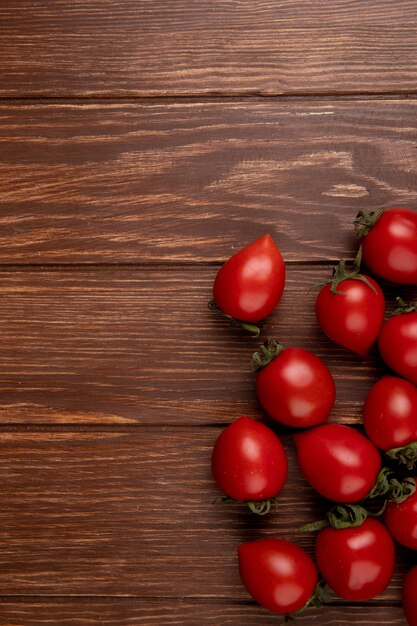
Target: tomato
x=397, y=343
x=249, y=461
x=390, y=413
x=296, y=388
x=338, y=462
x=401, y=521
x=278, y=574
x=352, y=313
x=357, y=563
x=409, y=596
x=250, y=284
x=389, y=244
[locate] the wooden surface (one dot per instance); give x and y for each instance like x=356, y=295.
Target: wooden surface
x=191, y=181
x=141, y=144
x=182, y=47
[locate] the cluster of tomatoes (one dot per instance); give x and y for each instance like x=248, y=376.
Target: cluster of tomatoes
x=354, y=549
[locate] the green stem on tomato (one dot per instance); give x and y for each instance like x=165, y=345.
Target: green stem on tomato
x=402, y=490
x=382, y=484
x=341, y=273
x=403, y=307
x=340, y=516
x=406, y=455
x=365, y=220
x=268, y=351
x=318, y=599
x=395, y=490
x=263, y=507
x=250, y=328
x=259, y=507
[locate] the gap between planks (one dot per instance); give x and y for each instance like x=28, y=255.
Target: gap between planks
x=138, y=265
x=122, y=428
x=189, y=599
x=211, y=97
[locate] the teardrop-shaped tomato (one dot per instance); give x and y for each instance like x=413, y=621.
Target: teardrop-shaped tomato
x=250, y=284
x=338, y=462
x=280, y=575
x=249, y=461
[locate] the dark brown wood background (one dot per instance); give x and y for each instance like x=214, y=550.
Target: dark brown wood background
x=141, y=143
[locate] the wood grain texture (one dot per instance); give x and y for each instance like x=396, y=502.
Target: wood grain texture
x=115, y=381
x=194, y=181
x=125, y=47
x=169, y=613
x=139, y=346
x=131, y=514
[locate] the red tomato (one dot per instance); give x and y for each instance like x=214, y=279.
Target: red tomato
x=278, y=574
x=357, y=563
x=248, y=461
x=250, y=284
x=353, y=316
x=390, y=413
x=397, y=343
x=389, y=246
x=338, y=462
x=296, y=388
x=401, y=521
x=409, y=596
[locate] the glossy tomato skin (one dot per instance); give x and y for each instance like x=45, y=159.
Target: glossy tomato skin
x=357, y=563
x=397, y=343
x=409, y=596
x=250, y=284
x=278, y=574
x=249, y=461
x=296, y=388
x=390, y=413
x=353, y=317
x=338, y=462
x=401, y=521
x=390, y=247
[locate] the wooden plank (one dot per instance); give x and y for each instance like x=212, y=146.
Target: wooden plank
x=193, y=181
x=130, y=513
x=125, y=346
x=125, y=47
x=169, y=613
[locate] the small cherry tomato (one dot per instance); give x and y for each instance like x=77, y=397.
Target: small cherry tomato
x=390, y=413
x=357, y=563
x=249, y=461
x=397, y=342
x=401, y=521
x=338, y=462
x=278, y=574
x=295, y=388
x=350, y=309
x=250, y=284
x=389, y=243
x=409, y=596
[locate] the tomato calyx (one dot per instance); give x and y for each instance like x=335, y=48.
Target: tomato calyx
x=319, y=598
x=340, y=516
x=395, y=490
x=405, y=455
x=259, y=507
x=268, y=351
x=341, y=273
x=250, y=328
x=263, y=507
x=365, y=221
x=387, y=485
x=403, y=307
